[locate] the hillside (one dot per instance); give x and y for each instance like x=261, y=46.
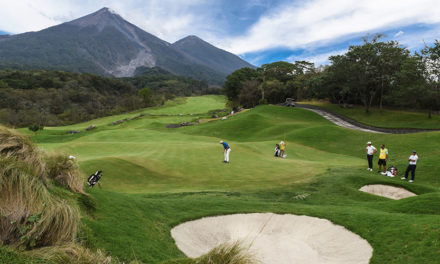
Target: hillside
x=50, y=98
x=106, y=44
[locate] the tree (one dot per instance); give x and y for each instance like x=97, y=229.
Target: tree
x=146, y=96
x=249, y=94
x=431, y=70
x=234, y=82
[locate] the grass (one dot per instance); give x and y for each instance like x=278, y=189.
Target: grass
x=228, y=253
x=384, y=118
x=155, y=178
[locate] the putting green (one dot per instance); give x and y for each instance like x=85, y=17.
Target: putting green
x=155, y=178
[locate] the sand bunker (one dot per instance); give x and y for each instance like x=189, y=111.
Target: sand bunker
x=275, y=239
x=387, y=191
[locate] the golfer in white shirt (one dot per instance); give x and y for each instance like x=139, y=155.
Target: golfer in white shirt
x=370, y=152
x=411, y=167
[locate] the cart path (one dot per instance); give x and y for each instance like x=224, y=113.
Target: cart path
x=340, y=122
x=346, y=122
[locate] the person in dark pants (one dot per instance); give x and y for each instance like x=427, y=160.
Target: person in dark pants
x=371, y=150
x=411, y=167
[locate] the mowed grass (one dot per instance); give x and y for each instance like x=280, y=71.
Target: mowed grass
x=384, y=118
x=155, y=178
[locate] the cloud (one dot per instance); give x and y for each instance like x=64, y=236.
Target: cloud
x=317, y=59
x=311, y=23
x=399, y=33
x=244, y=27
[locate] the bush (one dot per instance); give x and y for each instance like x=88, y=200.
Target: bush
x=65, y=172
x=35, y=128
x=262, y=101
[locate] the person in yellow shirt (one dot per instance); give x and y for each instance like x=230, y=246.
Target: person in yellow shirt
x=383, y=157
x=282, y=149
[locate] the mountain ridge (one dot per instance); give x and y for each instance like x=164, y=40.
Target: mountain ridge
x=106, y=44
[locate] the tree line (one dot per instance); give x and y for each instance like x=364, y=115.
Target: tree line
x=376, y=73
x=52, y=98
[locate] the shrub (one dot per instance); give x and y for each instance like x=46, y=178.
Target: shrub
x=65, y=172
x=35, y=128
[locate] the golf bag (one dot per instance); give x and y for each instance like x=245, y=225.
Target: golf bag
x=94, y=178
x=391, y=172
x=277, y=150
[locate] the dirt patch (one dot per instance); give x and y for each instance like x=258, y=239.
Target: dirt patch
x=275, y=239
x=392, y=192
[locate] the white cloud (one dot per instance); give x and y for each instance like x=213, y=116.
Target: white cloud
x=167, y=19
x=308, y=24
x=399, y=33
x=318, y=59
x=292, y=25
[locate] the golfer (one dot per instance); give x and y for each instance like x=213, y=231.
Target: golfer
x=226, y=150
x=383, y=157
x=411, y=167
x=371, y=150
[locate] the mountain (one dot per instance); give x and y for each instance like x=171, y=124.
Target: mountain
x=106, y=44
x=214, y=58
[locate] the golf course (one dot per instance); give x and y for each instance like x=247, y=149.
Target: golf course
x=155, y=178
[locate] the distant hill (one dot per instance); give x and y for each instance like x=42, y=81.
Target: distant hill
x=106, y=44
x=207, y=54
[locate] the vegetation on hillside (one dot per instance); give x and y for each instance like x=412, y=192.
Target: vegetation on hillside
x=375, y=73
x=50, y=98
x=34, y=215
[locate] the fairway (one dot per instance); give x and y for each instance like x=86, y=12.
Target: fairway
x=156, y=178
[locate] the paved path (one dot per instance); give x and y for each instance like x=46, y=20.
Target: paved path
x=340, y=122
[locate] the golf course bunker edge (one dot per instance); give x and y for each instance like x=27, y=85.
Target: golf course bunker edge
x=274, y=238
x=388, y=191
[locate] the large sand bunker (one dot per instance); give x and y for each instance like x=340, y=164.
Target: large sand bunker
x=387, y=191
x=275, y=239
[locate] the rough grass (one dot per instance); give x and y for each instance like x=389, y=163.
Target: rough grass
x=72, y=253
x=30, y=215
x=65, y=172
x=228, y=253
x=18, y=147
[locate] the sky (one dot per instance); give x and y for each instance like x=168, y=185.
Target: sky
x=259, y=31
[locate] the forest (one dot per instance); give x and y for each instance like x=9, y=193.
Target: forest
x=376, y=73
x=53, y=98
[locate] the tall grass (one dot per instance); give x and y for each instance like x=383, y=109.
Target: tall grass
x=19, y=147
x=65, y=171
x=228, y=253
x=72, y=253
x=30, y=215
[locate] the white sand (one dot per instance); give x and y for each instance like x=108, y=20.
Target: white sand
x=275, y=239
x=387, y=191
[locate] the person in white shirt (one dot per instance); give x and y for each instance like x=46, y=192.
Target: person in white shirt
x=371, y=150
x=411, y=167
